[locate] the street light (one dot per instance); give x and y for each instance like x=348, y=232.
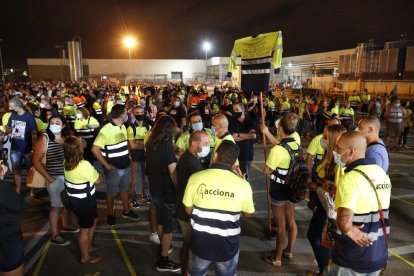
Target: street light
x=1, y=64
x=206, y=47
x=60, y=48
x=129, y=42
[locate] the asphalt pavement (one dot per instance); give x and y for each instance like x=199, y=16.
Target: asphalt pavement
x=126, y=249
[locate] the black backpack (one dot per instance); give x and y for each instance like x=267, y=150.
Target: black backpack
x=296, y=181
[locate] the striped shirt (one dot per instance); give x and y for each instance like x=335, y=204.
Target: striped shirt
x=54, y=158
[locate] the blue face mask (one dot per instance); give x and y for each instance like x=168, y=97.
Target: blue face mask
x=338, y=157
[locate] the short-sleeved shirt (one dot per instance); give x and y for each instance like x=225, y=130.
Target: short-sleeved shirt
x=246, y=146
x=5, y=118
x=157, y=161
x=295, y=135
x=225, y=136
x=140, y=132
x=80, y=182
x=378, y=152
x=279, y=162
x=22, y=127
x=82, y=129
x=187, y=165
x=178, y=113
x=355, y=193
x=217, y=197
x=316, y=149
x=112, y=140
x=184, y=139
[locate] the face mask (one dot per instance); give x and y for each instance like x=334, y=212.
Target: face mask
x=397, y=105
x=324, y=143
x=139, y=117
x=13, y=111
x=181, y=97
x=42, y=105
x=197, y=126
x=133, y=119
x=337, y=159
x=176, y=104
x=160, y=97
x=296, y=100
x=126, y=118
x=213, y=130
x=237, y=114
x=204, y=152
x=55, y=129
x=143, y=103
x=79, y=116
x=255, y=100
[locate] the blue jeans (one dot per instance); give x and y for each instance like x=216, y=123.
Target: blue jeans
x=245, y=167
x=17, y=158
x=198, y=266
x=322, y=254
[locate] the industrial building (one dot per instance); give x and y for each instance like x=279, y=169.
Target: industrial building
x=369, y=66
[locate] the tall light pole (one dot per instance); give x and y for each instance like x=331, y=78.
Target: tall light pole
x=206, y=47
x=130, y=43
x=1, y=63
x=60, y=47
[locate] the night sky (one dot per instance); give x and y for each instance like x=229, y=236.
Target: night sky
x=176, y=28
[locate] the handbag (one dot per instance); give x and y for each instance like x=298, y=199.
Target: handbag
x=34, y=178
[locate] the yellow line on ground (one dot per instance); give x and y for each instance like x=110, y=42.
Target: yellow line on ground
x=257, y=168
x=401, y=258
x=123, y=252
x=402, y=200
x=42, y=258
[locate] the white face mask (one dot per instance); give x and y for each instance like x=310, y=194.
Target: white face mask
x=176, y=104
x=337, y=159
x=55, y=129
x=79, y=115
x=197, y=126
x=204, y=152
x=213, y=130
x=324, y=143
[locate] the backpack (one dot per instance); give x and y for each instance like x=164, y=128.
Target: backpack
x=296, y=181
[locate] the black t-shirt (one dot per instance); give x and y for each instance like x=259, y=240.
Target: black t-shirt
x=246, y=146
x=186, y=166
x=177, y=113
x=227, y=108
x=157, y=160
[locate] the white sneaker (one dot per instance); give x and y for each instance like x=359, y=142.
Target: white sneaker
x=154, y=238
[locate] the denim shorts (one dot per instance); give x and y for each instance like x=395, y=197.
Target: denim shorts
x=199, y=266
x=54, y=189
x=278, y=202
x=117, y=180
x=17, y=158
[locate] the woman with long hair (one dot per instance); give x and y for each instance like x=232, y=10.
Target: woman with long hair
x=160, y=167
x=80, y=179
x=327, y=175
x=51, y=145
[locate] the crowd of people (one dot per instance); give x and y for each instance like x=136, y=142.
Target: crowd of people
x=187, y=152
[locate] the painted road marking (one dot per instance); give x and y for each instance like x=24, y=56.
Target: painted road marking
x=42, y=258
x=123, y=253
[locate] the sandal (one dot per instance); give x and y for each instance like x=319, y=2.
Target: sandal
x=313, y=273
x=287, y=255
x=93, y=260
x=272, y=261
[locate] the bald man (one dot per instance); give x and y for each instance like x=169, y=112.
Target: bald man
x=220, y=124
x=361, y=246
x=188, y=164
x=376, y=149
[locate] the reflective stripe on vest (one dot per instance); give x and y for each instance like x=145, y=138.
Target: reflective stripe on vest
x=81, y=190
x=116, y=150
x=279, y=175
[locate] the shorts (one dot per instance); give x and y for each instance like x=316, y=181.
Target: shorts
x=117, y=180
x=17, y=158
x=166, y=213
x=199, y=266
x=185, y=230
x=278, y=202
x=85, y=210
x=394, y=129
x=336, y=270
x=54, y=189
x=11, y=255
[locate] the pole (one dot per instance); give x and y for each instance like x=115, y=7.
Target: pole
x=129, y=53
x=1, y=63
x=269, y=223
x=206, y=54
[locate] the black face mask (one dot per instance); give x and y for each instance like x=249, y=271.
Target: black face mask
x=13, y=111
x=139, y=117
x=237, y=114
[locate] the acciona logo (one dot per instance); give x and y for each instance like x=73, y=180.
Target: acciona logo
x=203, y=190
